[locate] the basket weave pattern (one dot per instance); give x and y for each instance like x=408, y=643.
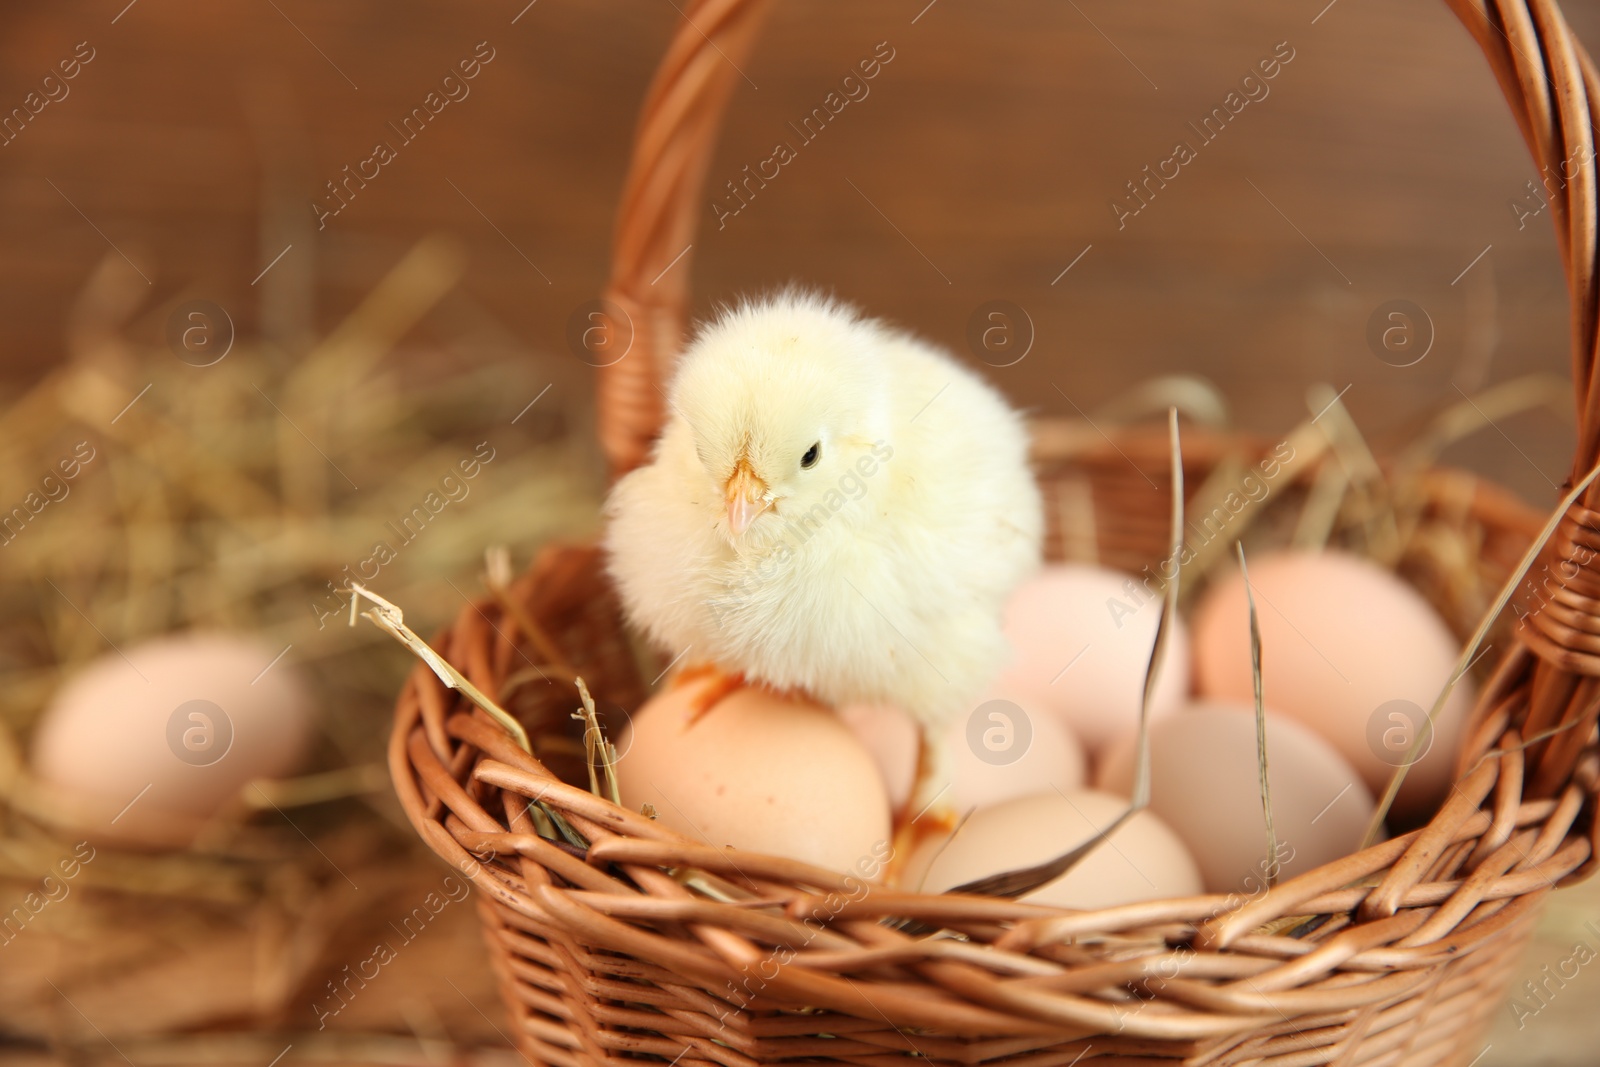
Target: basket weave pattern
x=602, y=953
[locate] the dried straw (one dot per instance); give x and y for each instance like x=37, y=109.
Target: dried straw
x=218, y=499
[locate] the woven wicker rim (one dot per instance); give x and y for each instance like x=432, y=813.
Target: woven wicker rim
x=1420, y=926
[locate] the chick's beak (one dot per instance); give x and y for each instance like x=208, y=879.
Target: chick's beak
x=747, y=497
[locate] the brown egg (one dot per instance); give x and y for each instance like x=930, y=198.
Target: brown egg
x=1142, y=860
x=1205, y=784
x=1349, y=651
x=143, y=749
x=758, y=772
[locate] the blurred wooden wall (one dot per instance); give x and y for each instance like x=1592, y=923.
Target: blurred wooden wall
x=983, y=161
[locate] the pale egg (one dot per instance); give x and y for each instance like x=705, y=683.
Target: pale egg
x=758, y=772
x=891, y=736
x=1004, y=748
x=143, y=748
x=1347, y=650
x=1010, y=746
x=1081, y=638
x=1205, y=784
x=1142, y=860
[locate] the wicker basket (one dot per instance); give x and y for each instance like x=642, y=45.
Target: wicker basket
x=602, y=954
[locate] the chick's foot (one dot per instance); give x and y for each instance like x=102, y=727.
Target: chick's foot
x=928, y=813
x=718, y=686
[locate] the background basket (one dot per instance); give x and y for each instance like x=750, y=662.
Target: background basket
x=601, y=952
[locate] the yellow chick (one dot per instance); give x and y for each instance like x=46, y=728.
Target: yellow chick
x=834, y=507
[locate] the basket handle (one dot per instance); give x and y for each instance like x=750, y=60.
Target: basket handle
x=1545, y=74
x=648, y=289
x=1550, y=82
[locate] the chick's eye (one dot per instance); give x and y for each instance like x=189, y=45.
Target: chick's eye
x=813, y=453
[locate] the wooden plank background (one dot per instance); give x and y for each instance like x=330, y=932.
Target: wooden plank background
x=983, y=161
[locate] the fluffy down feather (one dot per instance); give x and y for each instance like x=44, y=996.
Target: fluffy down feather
x=875, y=567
